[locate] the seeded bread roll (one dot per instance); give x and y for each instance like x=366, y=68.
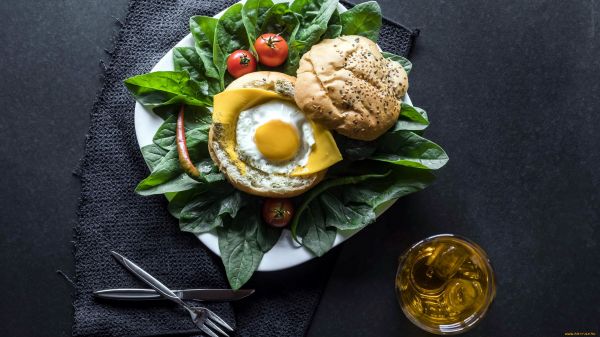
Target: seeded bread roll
x=347, y=85
x=255, y=181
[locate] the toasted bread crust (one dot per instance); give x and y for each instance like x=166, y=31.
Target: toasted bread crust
x=280, y=83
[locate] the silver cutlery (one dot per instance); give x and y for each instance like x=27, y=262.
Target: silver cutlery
x=205, y=320
x=135, y=294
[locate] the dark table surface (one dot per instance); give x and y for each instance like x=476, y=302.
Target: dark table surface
x=513, y=91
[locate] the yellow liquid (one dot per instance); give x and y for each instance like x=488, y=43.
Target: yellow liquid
x=445, y=284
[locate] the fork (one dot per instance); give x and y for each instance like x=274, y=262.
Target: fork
x=204, y=319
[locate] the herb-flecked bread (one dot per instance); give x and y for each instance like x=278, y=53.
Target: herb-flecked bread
x=347, y=85
x=255, y=181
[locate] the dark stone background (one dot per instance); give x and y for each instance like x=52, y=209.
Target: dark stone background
x=512, y=88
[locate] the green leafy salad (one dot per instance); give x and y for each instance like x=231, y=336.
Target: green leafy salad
x=355, y=190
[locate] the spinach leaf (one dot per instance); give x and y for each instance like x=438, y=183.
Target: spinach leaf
x=346, y=217
x=166, y=88
x=404, y=62
x=377, y=193
x=166, y=170
x=183, y=182
x=363, y=19
x=210, y=172
x=299, y=225
x=411, y=119
x=242, y=243
x=203, y=30
x=406, y=148
x=334, y=26
x=165, y=111
x=197, y=125
x=332, y=32
x=351, y=203
x=315, y=234
x=267, y=235
x=153, y=154
x=167, y=176
x=230, y=35
x=180, y=199
x=280, y=19
x=352, y=149
x=186, y=58
x=206, y=211
x=315, y=17
x=253, y=14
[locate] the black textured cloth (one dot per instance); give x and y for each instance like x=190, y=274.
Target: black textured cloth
x=113, y=217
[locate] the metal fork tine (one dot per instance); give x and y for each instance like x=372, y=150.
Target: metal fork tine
x=207, y=331
x=218, y=319
x=215, y=327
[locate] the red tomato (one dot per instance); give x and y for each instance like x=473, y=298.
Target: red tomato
x=272, y=49
x=277, y=212
x=240, y=62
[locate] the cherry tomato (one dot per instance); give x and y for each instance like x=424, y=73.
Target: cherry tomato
x=272, y=49
x=240, y=62
x=277, y=212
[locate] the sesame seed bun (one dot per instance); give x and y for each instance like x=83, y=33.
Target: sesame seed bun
x=347, y=85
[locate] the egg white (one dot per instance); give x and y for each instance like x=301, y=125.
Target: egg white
x=249, y=120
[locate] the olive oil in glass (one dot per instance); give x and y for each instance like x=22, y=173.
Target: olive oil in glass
x=445, y=284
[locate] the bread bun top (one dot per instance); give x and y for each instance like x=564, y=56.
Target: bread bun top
x=347, y=85
x=252, y=180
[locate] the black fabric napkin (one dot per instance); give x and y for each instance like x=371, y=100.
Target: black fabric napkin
x=113, y=217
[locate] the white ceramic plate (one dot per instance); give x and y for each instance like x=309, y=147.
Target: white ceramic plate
x=286, y=253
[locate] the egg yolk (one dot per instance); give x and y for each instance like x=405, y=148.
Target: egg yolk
x=277, y=140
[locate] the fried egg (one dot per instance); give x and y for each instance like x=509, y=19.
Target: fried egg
x=274, y=137
x=268, y=132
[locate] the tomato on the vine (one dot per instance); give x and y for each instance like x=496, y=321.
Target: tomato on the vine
x=240, y=62
x=272, y=49
x=277, y=212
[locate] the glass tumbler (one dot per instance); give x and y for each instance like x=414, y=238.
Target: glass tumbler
x=445, y=284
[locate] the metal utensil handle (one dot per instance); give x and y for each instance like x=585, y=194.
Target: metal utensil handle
x=148, y=279
x=129, y=294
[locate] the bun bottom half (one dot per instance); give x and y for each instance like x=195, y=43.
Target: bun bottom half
x=254, y=181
